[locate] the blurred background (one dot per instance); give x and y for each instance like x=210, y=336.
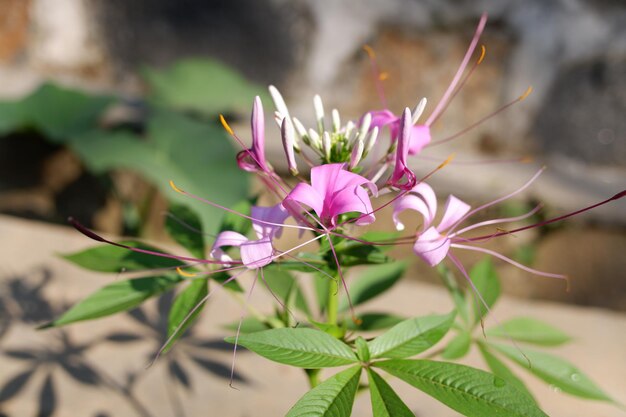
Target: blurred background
x=103, y=102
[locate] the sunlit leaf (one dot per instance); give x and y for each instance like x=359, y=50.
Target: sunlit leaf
x=486, y=281
x=529, y=330
x=500, y=369
x=185, y=227
x=185, y=309
x=385, y=401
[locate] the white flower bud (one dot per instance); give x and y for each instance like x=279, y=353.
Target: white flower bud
x=319, y=112
x=288, y=133
x=419, y=109
x=315, y=139
x=371, y=140
x=326, y=145
x=357, y=153
x=279, y=103
x=336, y=120
x=365, y=125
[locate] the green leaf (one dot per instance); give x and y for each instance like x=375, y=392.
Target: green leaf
x=500, y=369
x=57, y=112
x=471, y=392
x=109, y=258
x=321, y=284
x=222, y=277
x=186, y=301
x=373, y=282
x=116, y=297
x=196, y=156
x=362, y=350
x=455, y=291
x=385, y=401
x=411, y=336
x=202, y=85
x=332, y=398
x=556, y=371
x=236, y=223
x=185, y=227
x=282, y=283
x=305, y=348
x=458, y=346
x=248, y=325
x=529, y=330
x=486, y=281
x=372, y=321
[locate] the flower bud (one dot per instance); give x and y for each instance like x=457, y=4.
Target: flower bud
x=288, y=134
x=279, y=103
x=319, y=112
x=419, y=109
x=326, y=145
x=357, y=153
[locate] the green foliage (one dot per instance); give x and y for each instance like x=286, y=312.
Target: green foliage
x=556, y=371
x=373, y=282
x=458, y=346
x=116, y=297
x=305, y=348
x=56, y=112
x=529, y=330
x=200, y=85
x=385, y=402
x=282, y=284
x=487, y=284
x=498, y=368
x=185, y=227
x=411, y=336
x=332, y=398
x=471, y=392
x=185, y=309
x=109, y=258
x=373, y=321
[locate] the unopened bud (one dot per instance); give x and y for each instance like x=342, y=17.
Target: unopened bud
x=357, y=153
x=349, y=128
x=326, y=145
x=288, y=133
x=336, y=120
x=319, y=112
x=365, y=125
x=315, y=139
x=279, y=103
x=419, y=109
x=371, y=140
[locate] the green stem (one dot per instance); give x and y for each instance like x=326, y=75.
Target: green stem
x=313, y=376
x=332, y=306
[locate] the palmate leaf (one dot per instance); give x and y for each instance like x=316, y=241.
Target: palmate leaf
x=116, y=297
x=411, y=336
x=185, y=227
x=498, y=368
x=332, y=398
x=305, y=348
x=556, y=371
x=529, y=330
x=385, y=401
x=373, y=282
x=184, y=303
x=471, y=392
x=196, y=156
x=109, y=258
x=458, y=347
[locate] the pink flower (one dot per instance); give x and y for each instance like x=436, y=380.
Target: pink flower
x=419, y=137
x=333, y=191
x=253, y=159
x=267, y=222
x=402, y=177
x=433, y=243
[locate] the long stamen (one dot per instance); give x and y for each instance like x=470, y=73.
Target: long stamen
x=459, y=72
x=278, y=300
x=343, y=281
x=232, y=367
x=481, y=121
x=496, y=221
x=522, y=160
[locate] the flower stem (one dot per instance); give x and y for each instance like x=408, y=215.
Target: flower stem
x=313, y=376
x=332, y=306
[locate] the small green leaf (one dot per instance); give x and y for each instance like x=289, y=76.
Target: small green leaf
x=321, y=284
x=332, y=329
x=500, y=369
x=458, y=346
x=202, y=85
x=332, y=398
x=186, y=301
x=556, y=371
x=373, y=282
x=487, y=283
x=185, y=227
x=471, y=392
x=385, y=401
x=109, y=258
x=305, y=348
x=116, y=297
x=282, y=283
x=529, y=330
x=411, y=336
x=362, y=350
x=372, y=321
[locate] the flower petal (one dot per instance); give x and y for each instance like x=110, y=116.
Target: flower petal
x=453, y=211
x=420, y=137
x=431, y=246
x=305, y=194
x=428, y=195
x=411, y=202
x=257, y=253
x=273, y=214
x=226, y=238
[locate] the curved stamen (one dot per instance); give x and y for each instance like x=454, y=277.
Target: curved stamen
x=496, y=221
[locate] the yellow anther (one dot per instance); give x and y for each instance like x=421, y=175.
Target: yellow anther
x=447, y=161
x=226, y=126
x=523, y=96
x=483, y=51
x=175, y=188
x=185, y=274
x=370, y=51
x=383, y=76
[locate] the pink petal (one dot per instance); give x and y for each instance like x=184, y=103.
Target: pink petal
x=257, y=253
x=352, y=200
x=428, y=195
x=432, y=247
x=453, y=211
x=226, y=238
x=273, y=214
x=382, y=118
x=402, y=176
x=411, y=202
x=305, y=194
x=420, y=137
x=253, y=159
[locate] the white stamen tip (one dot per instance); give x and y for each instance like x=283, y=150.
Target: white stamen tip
x=336, y=120
x=319, y=112
x=419, y=109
